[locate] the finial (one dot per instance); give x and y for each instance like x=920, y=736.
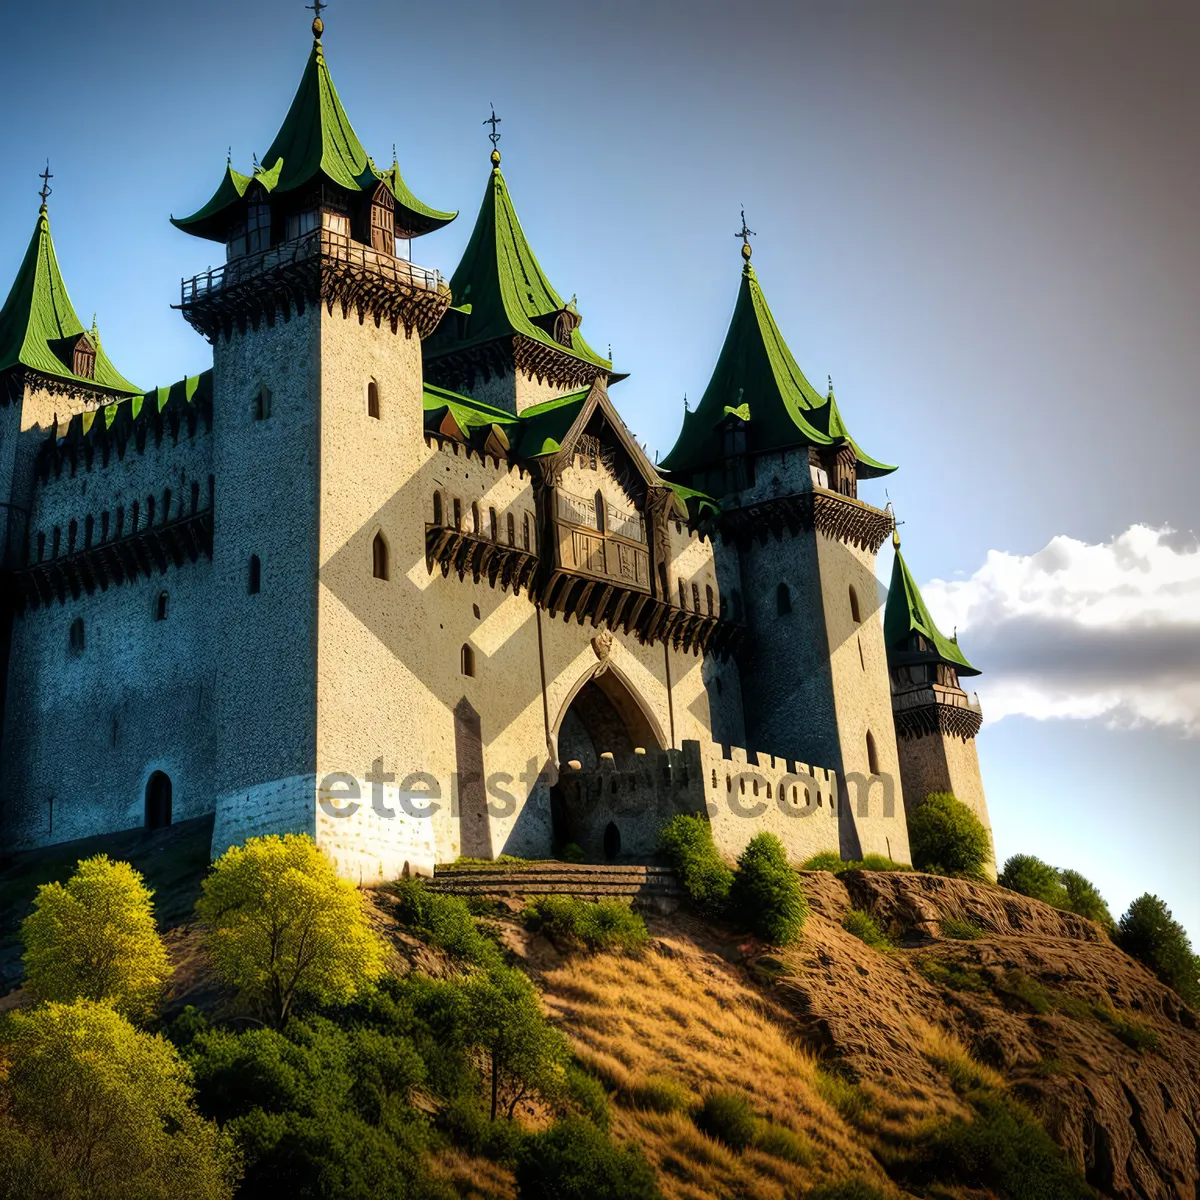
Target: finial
x=318, y=26
x=830, y=378
x=229, y=157
x=46, y=191
x=685, y=403
x=745, y=233
x=494, y=137
x=395, y=156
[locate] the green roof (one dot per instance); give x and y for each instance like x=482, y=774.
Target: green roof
x=543, y=426
x=756, y=380
x=906, y=614
x=38, y=322
x=315, y=140
x=500, y=288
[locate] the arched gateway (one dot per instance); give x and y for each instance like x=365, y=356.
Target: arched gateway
x=604, y=715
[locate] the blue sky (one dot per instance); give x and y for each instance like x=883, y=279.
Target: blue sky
x=978, y=219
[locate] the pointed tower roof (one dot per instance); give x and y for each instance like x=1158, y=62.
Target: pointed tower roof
x=502, y=291
x=758, y=381
x=906, y=614
x=39, y=328
x=316, y=140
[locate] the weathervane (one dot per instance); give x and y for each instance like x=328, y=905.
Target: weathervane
x=318, y=26
x=45, y=177
x=745, y=233
x=494, y=137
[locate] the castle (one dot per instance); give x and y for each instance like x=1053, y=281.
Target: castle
x=395, y=573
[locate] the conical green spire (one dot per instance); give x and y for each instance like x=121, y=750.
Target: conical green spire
x=315, y=140
x=501, y=286
x=757, y=380
x=906, y=614
x=39, y=326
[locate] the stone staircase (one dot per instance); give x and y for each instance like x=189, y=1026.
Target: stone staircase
x=588, y=881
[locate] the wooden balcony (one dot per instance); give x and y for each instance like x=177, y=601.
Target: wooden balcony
x=934, y=709
x=471, y=554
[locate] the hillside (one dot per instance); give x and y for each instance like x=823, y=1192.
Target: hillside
x=854, y=1053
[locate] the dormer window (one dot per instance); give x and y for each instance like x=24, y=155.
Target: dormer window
x=84, y=358
x=383, y=221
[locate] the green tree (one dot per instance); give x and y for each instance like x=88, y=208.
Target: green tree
x=947, y=838
x=110, y=1107
x=766, y=892
x=94, y=938
x=525, y=1052
x=281, y=926
x=1083, y=897
x=1027, y=874
x=1151, y=934
x=574, y=1160
x=687, y=843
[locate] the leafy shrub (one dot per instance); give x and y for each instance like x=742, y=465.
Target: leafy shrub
x=947, y=838
x=282, y=926
x=1083, y=897
x=727, y=1117
x=471, y=1129
x=864, y=927
x=766, y=892
x=827, y=860
x=1150, y=933
x=573, y=853
x=1134, y=1034
x=106, y=1109
x=1028, y=991
x=587, y=1095
x=962, y=931
x=1027, y=874
x=849, y=1189
x=445, y=922
x=599, y=925
x=660, y=1094
x=780, y=1142
x=830, y=860
x=687, y=843
x=841, y=1094
x=94, y=938
x=961, y=979
x=573, y=1160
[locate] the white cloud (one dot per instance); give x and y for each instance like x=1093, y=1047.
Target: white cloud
x=1107, y=631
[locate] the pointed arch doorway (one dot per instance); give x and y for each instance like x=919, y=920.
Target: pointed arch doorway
x=605, y=715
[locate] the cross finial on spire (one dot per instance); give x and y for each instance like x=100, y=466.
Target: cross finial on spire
x=45, y=177
x=745, y=233
x=395, y=156
x=318, y=26
x=229, y=157
x=494, y=137
x=830, y=378
x=685, y=403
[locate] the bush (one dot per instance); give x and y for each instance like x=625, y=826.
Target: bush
x=688, y=846
x=947, y=838
x=445, y=922
x=727, y=1117
x=587, y=1095
x=766, y=892
x=841, y=1094
x=1150, y=933
x=961, y=979
x=282, y=926
x=94, y=938
x=1083, y=897
x=658, y=1093
x=599, y=925
x=1027, y=874
x=780, y=1142
x=108, y=1109
x=830, y=860
x=827, y=860
x=863, y=926
x=573, y=1160
x=573, y=853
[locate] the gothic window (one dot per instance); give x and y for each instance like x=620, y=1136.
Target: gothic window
x=437, y=508
x=84, y=358
x=262, y=403
x=872, y=756
x=783, y=599
x=379, y=557
x=254, y=576
x=708, y=596
x=158, y=801
x=383, y=221
x=467, y=661
x=160, y=607
x=493, y=525
x=476, y=524
x=854, y=607
x=599, y=505
x=525, y=533
x=512, y=530
x=695, y=597
x=76, y=635
x=373, y=400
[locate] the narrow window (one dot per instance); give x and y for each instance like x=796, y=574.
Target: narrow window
x=373, y=400
x=854, y=607
x=72, y=534
x=379, y=557
x=262, y=403
x=254, y=576
x=862, y=662
x=783, y=599
x=104, y=526
x=512, y=530
x=476, y=524
x=437, y=508
x=120, y=520
x=494, y=523
x=149, y=511
x=158, y=801
x=527, y=542
x=599, y=503
x=872, y=757
x=696, y=597
x=682, y=595
x=160, y=607
x=77, y=635
x=708, y=596
x=467, y=660
x=166, y=504
x=383, y=221
x=457, y=513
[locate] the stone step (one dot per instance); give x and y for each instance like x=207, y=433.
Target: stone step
x=570, y=879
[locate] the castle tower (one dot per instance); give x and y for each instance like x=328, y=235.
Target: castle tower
x=509, y=340
x=797, y=556
x=316, y=321
x=936, y=723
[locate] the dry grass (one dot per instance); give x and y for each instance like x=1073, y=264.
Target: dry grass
x=948, y=1054
x=474, y=1178
x=691, y=1020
